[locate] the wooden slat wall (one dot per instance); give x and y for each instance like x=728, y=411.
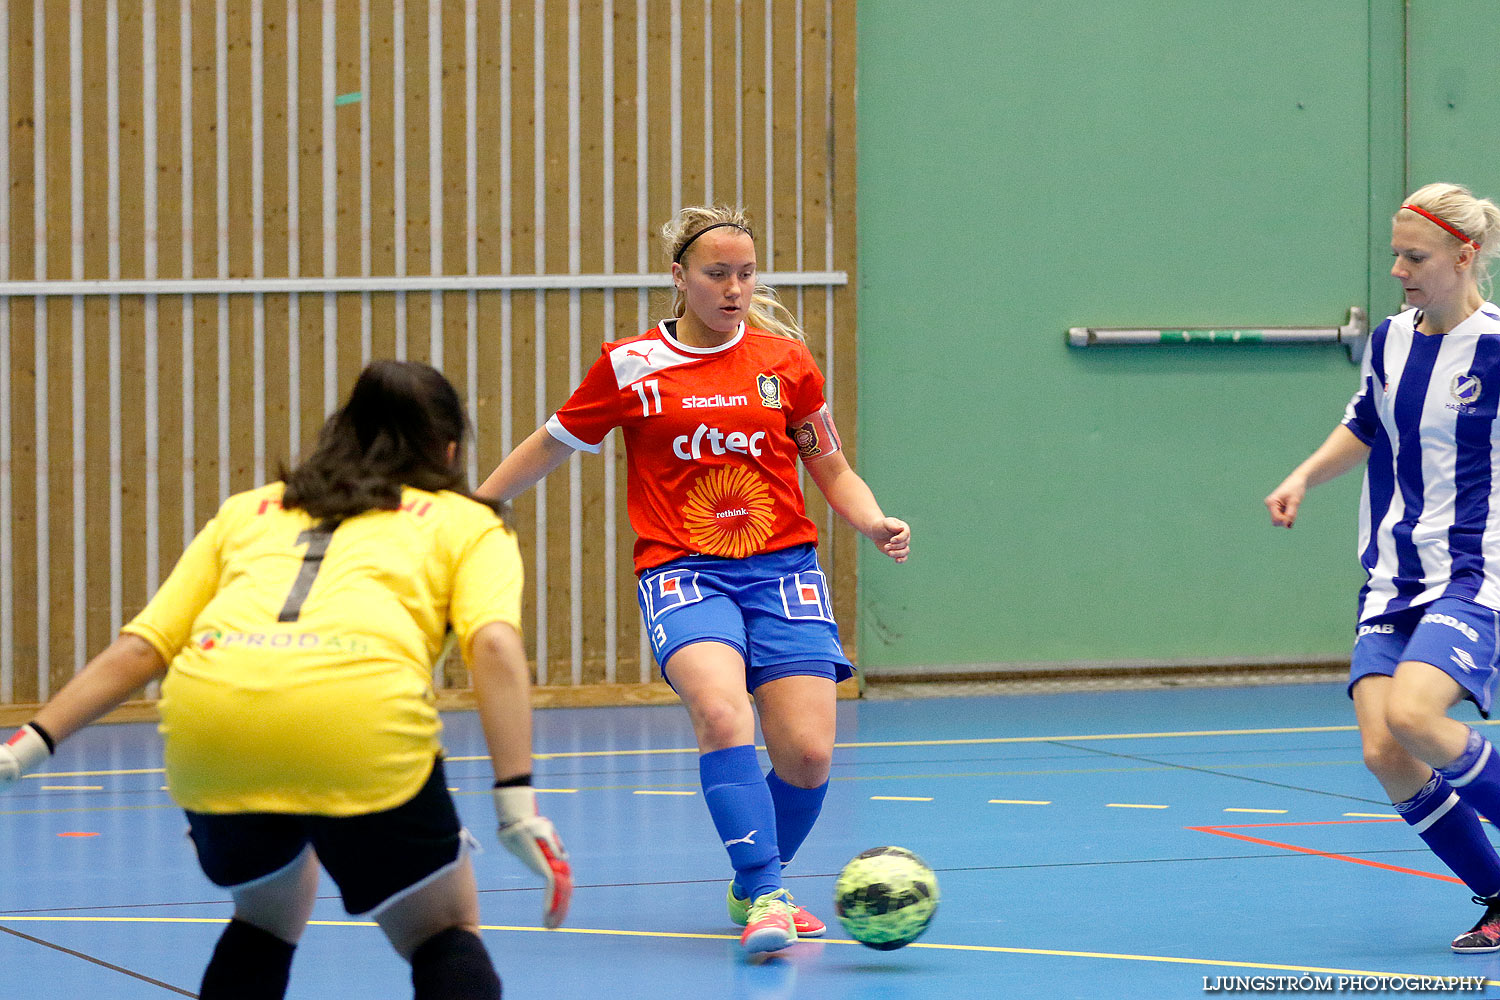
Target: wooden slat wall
x=199, y=139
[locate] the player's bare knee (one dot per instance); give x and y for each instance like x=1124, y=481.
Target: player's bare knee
x=1381, y=758
x=719, y=721
x=1412, y=723
x=1385, y=757
x=809, y=768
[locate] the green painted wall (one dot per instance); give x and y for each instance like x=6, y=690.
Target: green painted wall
x=1455, y=93
x=1028, y=167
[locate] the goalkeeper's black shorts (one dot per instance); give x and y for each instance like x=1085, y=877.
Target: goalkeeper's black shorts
x=374, y=859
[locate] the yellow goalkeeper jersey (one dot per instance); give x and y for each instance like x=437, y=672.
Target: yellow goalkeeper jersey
x=301, y=659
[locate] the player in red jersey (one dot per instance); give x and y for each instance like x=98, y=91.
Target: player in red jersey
x=716, y=405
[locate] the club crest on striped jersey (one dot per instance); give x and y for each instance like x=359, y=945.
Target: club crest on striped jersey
x=769, y=387
x=1466, y=388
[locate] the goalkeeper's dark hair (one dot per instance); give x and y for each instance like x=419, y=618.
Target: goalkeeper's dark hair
x=394, y=431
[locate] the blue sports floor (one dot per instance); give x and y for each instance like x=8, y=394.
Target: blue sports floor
x=1099, y=845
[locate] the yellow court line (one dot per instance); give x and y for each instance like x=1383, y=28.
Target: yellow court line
x=1274, y=812
x=1133, y=805
x=600, y=753
x=93, y=774
x=986, y=741
x=886, y=743
x=901, y=798
x=932, y=945
x=1373, y=815
x=556, y=791
x=1020, y=802
x=659, y=791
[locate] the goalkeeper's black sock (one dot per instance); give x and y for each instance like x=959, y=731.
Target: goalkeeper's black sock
x=453, y=965
x=248, y=964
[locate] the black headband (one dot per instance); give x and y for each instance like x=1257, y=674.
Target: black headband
x=677, y=258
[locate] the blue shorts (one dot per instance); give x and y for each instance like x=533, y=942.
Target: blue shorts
x=1459, y=637
x=772, y=607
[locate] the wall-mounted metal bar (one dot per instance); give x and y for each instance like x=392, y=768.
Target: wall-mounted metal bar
x=1352, y=335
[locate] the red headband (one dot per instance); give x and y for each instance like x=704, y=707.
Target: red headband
x=1439, y=222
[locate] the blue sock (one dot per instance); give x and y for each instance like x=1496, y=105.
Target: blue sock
x=1451, y=828
x=740, y=803
x=1475, y=776
x=797, y=810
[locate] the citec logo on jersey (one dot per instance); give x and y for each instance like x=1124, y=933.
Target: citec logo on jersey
x=1451, y=622
x=1465, y=390
x=769, y=387
x=1463, y=659
x=715, y=401
x=1365, y=630
x=717, y=443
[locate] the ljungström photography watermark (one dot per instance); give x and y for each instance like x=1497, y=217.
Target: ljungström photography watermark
x=1344, y=984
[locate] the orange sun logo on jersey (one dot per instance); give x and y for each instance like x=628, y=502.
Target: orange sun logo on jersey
x=729, y=512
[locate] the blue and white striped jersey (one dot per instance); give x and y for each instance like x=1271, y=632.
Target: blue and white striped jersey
x=1429, y=516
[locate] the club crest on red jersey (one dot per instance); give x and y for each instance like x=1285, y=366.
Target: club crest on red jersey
x=769, y=387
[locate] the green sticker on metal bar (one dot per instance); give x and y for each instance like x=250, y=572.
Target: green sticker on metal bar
x=1211, y=336
x=353, y=97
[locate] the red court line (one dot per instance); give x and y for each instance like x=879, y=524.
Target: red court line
x=1223, y=831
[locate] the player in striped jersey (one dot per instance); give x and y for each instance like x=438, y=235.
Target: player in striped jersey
x=1423, y=423
x=297, y=635
x=717, y=404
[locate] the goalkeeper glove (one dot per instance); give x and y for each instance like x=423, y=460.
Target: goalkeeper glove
x=21, y=754
x=533, y=839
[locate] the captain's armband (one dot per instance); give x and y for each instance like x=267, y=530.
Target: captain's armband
x=816, y=436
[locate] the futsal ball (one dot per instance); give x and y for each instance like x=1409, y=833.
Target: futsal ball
x=886, y=897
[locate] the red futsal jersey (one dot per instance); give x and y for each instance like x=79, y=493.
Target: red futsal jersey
x=708, y=442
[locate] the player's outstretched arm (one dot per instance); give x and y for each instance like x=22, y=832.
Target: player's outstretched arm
x=851, y=499
x=1341, y=452
x=107, y=681
x=502, y=687
x=527, y=464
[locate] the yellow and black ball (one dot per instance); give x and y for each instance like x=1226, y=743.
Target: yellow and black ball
x=885, y=897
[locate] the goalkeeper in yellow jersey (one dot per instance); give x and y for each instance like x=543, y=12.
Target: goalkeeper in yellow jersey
x=297, y=636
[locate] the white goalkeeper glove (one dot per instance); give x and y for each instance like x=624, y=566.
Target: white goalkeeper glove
x=532, y=838
x=21, y=754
